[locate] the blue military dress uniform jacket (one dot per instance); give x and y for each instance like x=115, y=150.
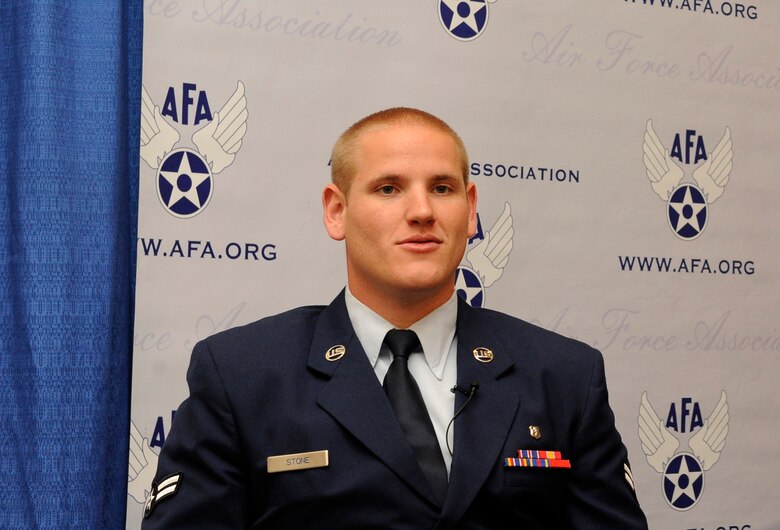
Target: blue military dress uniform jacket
x=268, y=389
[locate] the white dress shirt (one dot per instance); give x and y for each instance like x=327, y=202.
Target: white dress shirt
x=435, y=371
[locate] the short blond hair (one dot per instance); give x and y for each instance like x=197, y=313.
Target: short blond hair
x=342, y=160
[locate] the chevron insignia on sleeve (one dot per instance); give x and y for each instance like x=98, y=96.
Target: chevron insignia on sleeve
x=161, y=490
x=628, y=476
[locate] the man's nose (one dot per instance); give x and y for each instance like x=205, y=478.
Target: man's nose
x=419, y=207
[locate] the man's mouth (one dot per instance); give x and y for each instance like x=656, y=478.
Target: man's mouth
x=421, y=243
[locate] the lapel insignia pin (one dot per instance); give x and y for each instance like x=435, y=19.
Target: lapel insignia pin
x=483, y=355
x=535, y=431
x=335, y=353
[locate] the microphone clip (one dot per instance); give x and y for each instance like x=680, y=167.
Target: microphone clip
x=469, y=392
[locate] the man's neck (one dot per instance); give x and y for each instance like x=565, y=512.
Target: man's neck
x=404, y=309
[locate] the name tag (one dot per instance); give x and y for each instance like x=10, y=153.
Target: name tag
x=296, y=461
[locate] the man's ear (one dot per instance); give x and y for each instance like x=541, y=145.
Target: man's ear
x=334, y=206
x=471, y=197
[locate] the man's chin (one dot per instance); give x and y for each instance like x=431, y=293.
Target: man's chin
x=421, y=286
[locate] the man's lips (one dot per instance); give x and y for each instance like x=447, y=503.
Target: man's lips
x=421, y=243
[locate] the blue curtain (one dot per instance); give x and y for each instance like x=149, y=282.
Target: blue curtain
x=70, y=75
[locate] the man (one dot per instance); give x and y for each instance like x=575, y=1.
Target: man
x=315, y=418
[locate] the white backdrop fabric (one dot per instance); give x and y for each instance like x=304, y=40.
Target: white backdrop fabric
x=628, y=150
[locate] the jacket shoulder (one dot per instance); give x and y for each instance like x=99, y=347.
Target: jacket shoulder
x=285, y=337
x=284, y=324
x=504, y=323
x=536, y=340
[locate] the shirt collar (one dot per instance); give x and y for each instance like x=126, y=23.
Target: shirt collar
x=436, y=330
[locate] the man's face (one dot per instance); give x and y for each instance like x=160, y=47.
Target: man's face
x=408, y=215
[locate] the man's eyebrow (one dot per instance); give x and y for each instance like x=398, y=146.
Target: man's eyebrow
x=391, y=178
x=394, y=178
x=452, y=180
x=445, y=177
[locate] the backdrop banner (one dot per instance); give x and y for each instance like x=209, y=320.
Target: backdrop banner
x=625, y=156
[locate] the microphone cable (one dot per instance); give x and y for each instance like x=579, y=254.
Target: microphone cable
x=471, y=392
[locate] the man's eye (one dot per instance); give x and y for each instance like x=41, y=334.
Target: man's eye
x=387, y=190
x=441, y=189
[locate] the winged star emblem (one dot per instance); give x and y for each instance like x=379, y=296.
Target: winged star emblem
x=486, y=260
x=184, y=175
x=142, y=464
x=687, y=203
x=683, y=472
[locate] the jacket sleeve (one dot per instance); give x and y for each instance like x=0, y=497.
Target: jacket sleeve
x=602, y=491
x=200, y=480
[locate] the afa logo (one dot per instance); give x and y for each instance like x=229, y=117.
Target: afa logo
x=682, y=473
x=142, y=465
x=464, y=20
x=687, y=204
x=185, y=176
x=486, y=259
x=142, y=462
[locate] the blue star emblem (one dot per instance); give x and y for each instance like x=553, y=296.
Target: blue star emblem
x=463, y=19
x=687, y=211
x=683, y=481
x=184, y=183
x=469, y=287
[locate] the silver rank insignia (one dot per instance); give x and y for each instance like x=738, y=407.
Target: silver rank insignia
x=165, y=488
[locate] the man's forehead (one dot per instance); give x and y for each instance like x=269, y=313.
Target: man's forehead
x=405, y=136
x=403, y=127
x=386, y=143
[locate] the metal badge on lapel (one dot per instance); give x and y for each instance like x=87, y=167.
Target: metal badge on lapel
x=483, y=355
x=335, y=353
x=535, y=432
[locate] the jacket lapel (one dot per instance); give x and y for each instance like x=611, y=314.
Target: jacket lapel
x=355, y=399
x=482, y=427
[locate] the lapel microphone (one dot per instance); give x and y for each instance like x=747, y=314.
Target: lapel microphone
x=469, y=392
x=466, y=392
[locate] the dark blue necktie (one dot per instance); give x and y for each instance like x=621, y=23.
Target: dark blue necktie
x=409, y=407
